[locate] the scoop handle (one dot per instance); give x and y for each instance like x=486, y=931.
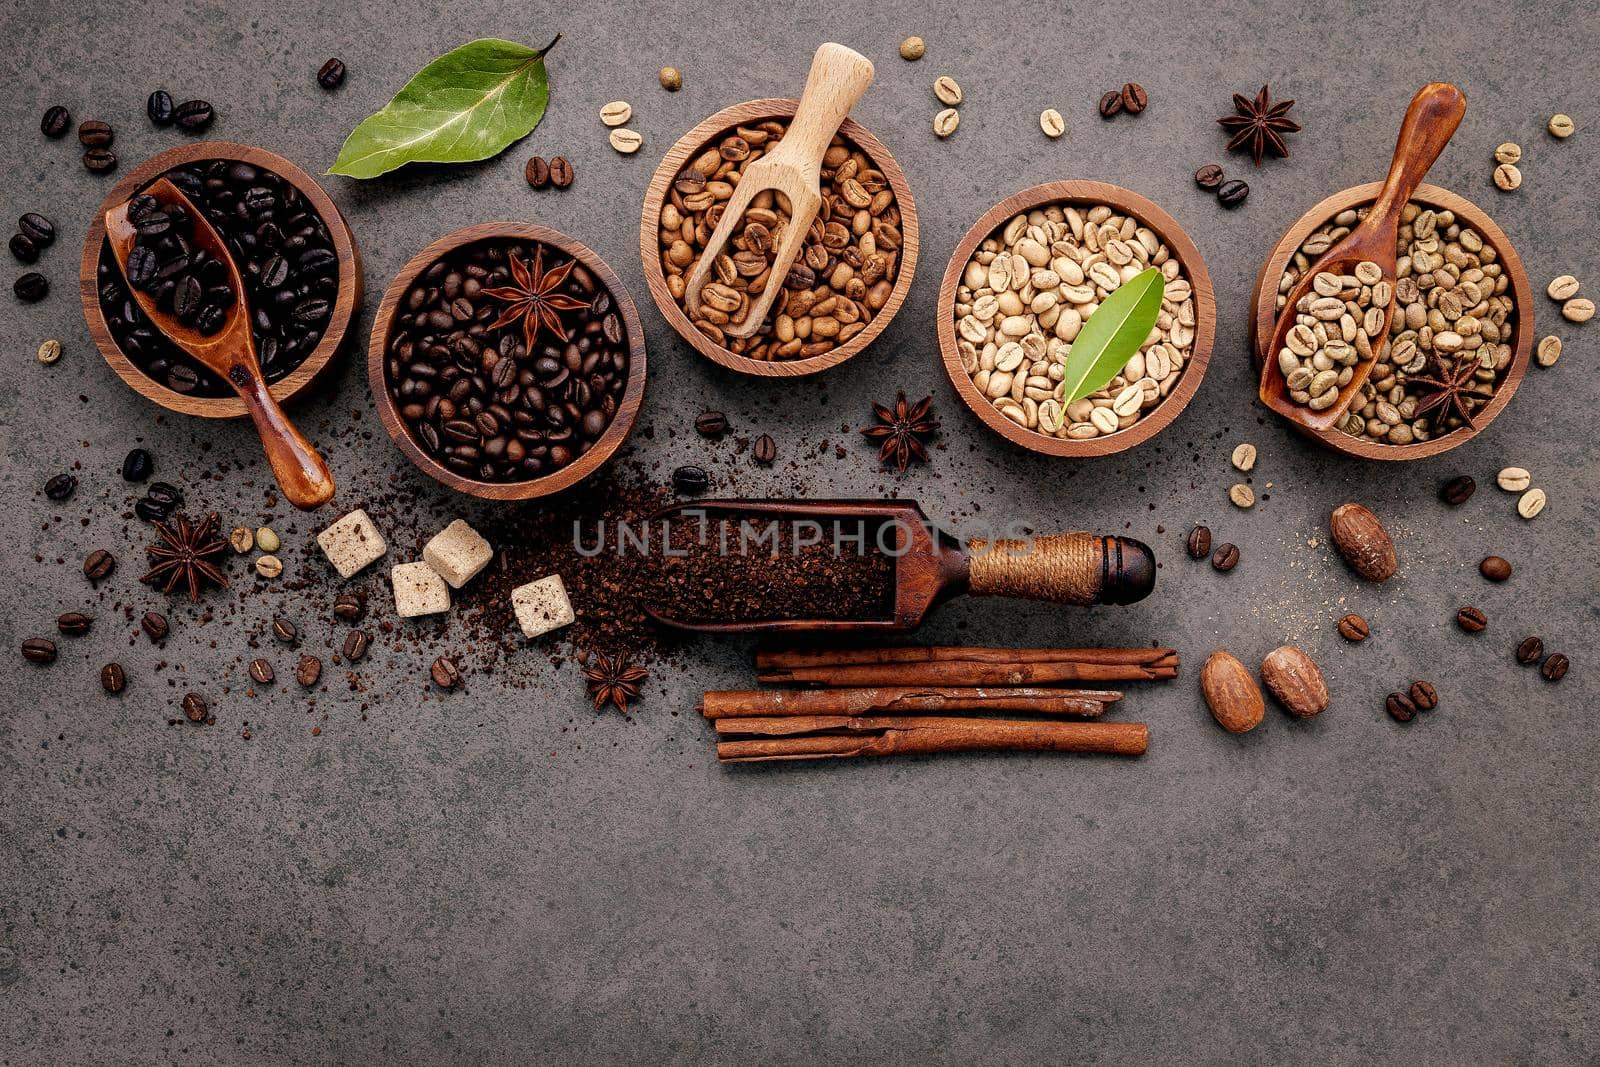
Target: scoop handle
x=838, y=77
x=1066, y=568
x=1431, y=120
x=302, y=473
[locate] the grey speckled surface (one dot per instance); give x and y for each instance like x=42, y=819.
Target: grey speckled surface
x=503, y=877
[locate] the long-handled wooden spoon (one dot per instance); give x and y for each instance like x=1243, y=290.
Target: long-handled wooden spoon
x=231, y=352
x=1430, y=121
x=794, y=168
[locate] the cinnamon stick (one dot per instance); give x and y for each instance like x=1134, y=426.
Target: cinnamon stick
x=848, y=736
x=904, y=700
x=914, y=665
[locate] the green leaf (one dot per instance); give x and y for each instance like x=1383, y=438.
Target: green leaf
x=469, y=104
x=1111, y=336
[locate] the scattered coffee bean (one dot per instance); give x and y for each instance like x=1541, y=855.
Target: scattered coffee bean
x=1513, y=479
x=160, y=108
x=625, y=140
x=194, y=116
x=1508, y=152
x=1110, y=104
x=691, y=479
x=1051, y=122
x=1562, y=287
x=1199, y=543
x=74, y=623
x=350, y=606
x=1507, y=177
x=1400, y=707
x=1495, y=568
x=56, y=122
x=155, y=626
x=285, y=631
x=945, y=122
x=1554, y=668
x=1232, y=193
x=99, y=161
x=1209, y=176
x=1226, y=557
x=446, y=675
x=1458, y=490
x=1424, y=696
x=1578, y=309
x=1530, y=650
x=40, y=650
x=1242, y=496
x=1560, y=126
x=947, y=90
x=261, y=672
x=1244, y=457
x=1548, y=351
x=31, y=287
x=24, y=249
x=267, y=539
x=98, y=565
x=163, y=498
x=269, y=566
x=137, y=465
x=537, y=172
x=1471, y=619
x=112, y=678
x=194, y=707
x=95, y=134
x=711, y=424
x=355, y=645
x=331, y=74
x=1354, y=628
x=1531, y=503
x=560, y=172
x=765, y=450
x=912, y=49
x=60, y=486
x=670, y=78
x=308, y=671
x=616, y=113
x=38, y=229
x=49, y=351
x=1134, y=98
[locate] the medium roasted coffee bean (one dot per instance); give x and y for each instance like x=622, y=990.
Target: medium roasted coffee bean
x=1530, y=651
x=1199, y=543
x=38, y=229
x=31, y=287
x=1554, y=668
x=1226, y=557
x=711, y=424
x=1495, y=568
x=355, y=645
x=194, y=115
x=1457, y=490
x=765, y=450
x=95, y=134
x=691, y=479
x=261, y=672
x=331, y=74
x=1354, y=628
x=350, y=606
x=560, y=172
x=24, y=249
x=1471, y=619
x=74, y=623
x=137, y=465
x=155, y=626
x=1110, y=104
x=112, y=678
x=1209, y=176
x=1400, y=707
x=1424, y=696
x=40, y=650
x=1232, y=193
x=445, y=674
x=159, y=108
x=98, y=565
x=285, y=631
x=1134, y=98
x=100, y=161
x=308, y=671
x=537, y=172
x=56, y=122
x=194, y=707
x=60, y=486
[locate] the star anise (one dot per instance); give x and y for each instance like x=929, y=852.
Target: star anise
x=187, y=553
x=1260, y=125
x=1447, y=389
x=613, y=680
x=535, y=298
x=902, y=430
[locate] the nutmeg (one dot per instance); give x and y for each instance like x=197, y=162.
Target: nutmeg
x=1295, y=682
x=1231, y=693
x=1363, y=542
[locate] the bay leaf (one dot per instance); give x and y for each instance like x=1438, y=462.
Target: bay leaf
x=1112, y=334
x=469, y=104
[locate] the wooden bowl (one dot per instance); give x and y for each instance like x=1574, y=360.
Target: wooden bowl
x=294, y=383
x=556, y=481
x=691, y=145
x=1264, y=314
x=1178, y=243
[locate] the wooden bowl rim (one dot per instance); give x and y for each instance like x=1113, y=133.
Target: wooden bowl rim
x=1264, y=311
x=655, y=197
x=1172, y=235
x=579, y=469
x=291, y=385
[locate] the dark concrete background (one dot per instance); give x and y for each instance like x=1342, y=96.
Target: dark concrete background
x=501, y=876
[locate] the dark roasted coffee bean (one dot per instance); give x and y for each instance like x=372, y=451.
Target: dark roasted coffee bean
x=313, y=311
x=1134, y=98
x=1400, y=707
x=691, y=479
x=60, y=486
x=350, y=606
x=1495, y=568
x=24, y=249
x=1199, y=543
x=137, y=465
x=38, y=229
x=560, y=172
x=308, y=671
x=98, y=565
x=1471, y=619
x=95, y=134
x=446, y=675
x=355, y=645
x=160, y=108
x=164, y=494
x=1530, y=651
x=155, y=627
x=40, y=650
x=1424, y=696
x=151, y=510
x=1457, y=490
x=194, y=116
x=183, y=378
x=74, y=623
x=141, y=266
x=112, y=678
x=261, y=672
x=274, y=272
x=711, y=424
x=186, y=301
x=1209, y=176
x=194, y=707
x=1226, y=556
x=100, y=161
x=537, y=172
x=285, y=631
x=1555, y=666
x=56, y=122
x=331, y=76
x=31, y=287
x=1232, y=193
x=1110, y=104
x=1354, y=628
x=765, y=450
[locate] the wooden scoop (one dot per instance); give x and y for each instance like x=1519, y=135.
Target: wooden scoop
x=1430, y=121
x=930, y=566
x=231, y=352
x=794, y=168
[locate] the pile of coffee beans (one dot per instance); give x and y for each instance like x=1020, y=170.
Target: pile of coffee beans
x=186, y=281
x=474, y=395
x=285, y=256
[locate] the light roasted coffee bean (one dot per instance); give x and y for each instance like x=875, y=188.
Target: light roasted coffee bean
x=671, y=79
x=626, y=141
x=912, y=49
x=267, y=539
x=1244, y=456
x=947, y=91
x=1513, y=479
x=1578, y=309
x=1507, y=177
x=1051, y=122
x=1560, y=126
x=243, y=539
x=1564, y=287
x=616, y=113
x=1242, y=496
x=269, y=566
x=946, y=121
x=1531, y=503
x=1548, y=352
x=1508, y=152
x=49, y=351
